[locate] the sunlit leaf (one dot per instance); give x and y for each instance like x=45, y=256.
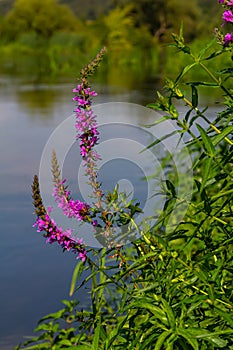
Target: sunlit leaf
x=76, y=275
x=218, y=138
x=190, y=339
x=207, y=141
x=161, y=340
x=169, y=312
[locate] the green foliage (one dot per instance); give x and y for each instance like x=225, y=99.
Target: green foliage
x=44, y=18
x=44, y=38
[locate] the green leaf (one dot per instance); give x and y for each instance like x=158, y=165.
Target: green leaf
x=161, y=339
x=212, y=337
x=169, y=313
x=206, y=47
x=227, y=130
x=50, y=327
x=148, y=339
x=221, y=343
x=207, y=141
x=194, y=96
x=160, y=120
x=95, y=342
x=227, y=71
x=45, y=345
x=54, y=316
x=164, y=137
x=187, y=115
x=202, y=83
x=184, y=71
x=227, y=316
x=138, y=263
x=65, y=342
x=188, y=336
x=206, y=172
x=171, y=188
x=212, y=55
x=170, y=342
x=114, y=333
x=79, y=347
x=155, y=310
x=76, y=275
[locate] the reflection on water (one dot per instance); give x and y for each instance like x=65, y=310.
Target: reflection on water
x=37, y=99
x=34, y=277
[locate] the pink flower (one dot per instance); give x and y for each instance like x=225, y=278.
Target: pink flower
x=82, y=256
x=71, y=208
x=228, y=16
x=55, y=234
x=228, y=39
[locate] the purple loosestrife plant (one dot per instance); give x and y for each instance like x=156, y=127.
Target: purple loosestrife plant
x=87, y=133
x=108, y=214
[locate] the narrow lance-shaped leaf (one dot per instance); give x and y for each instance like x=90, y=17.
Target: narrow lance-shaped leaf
x=205, y=48
x=207, y=141
x=184, y=71
x=171, y=188
x=194, y=96
x=228, y=130
x=161, y=339
x=170, y=315
x=95, y=342
x=206, y=172
x=76, y=274
x=187, y=336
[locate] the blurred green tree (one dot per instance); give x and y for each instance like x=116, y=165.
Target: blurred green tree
x=122, y=36
x=164, y=17
x=119, y=24
x=43, y=17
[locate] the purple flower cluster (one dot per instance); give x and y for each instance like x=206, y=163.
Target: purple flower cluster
x=228, y=38
x=71, y=208
x=88, y=135
x=86, y=124
x=56, y=234
x=227, y=18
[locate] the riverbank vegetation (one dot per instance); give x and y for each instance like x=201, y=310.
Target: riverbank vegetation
x=50, y=40
x=166, y=282
x=170, y=286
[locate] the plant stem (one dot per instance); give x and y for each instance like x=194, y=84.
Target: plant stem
x=215, y=79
